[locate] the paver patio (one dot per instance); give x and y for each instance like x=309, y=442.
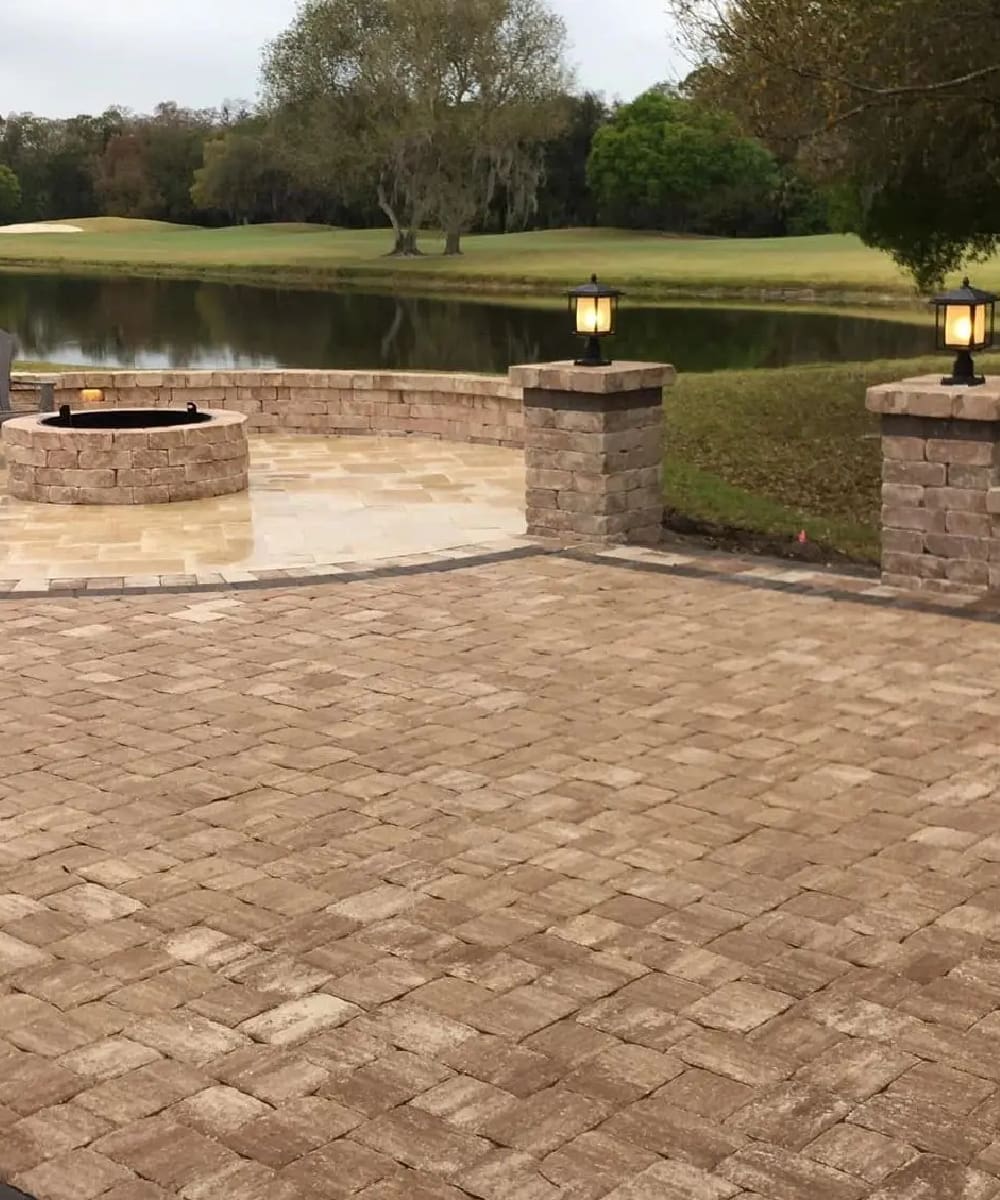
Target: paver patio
x=534, y=880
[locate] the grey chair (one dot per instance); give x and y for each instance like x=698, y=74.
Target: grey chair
x=46, y=391
x=8, y=344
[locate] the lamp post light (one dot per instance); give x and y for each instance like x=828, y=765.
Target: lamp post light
x=594, y=309
x=965, y=321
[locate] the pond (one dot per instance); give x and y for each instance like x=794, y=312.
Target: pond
x=153, y=324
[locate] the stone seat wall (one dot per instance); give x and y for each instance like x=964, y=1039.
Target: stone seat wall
x=458, y=408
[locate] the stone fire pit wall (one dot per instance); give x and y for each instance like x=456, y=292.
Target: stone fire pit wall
x=940, y=484
x=457, y=408
x=57, y=465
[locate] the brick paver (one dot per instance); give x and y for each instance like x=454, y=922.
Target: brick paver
x=542, y=880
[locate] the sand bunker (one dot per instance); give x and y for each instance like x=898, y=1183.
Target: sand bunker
x=40, y=227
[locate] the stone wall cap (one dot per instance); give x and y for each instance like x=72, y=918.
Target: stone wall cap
x=602, y=381
x=927, y=396
x=35, y=422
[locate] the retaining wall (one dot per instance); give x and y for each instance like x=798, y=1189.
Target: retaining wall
x=457, y=408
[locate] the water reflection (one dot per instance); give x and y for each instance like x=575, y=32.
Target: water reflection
x=149, y=323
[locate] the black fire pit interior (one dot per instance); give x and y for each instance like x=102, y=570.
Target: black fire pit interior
x=127, y=418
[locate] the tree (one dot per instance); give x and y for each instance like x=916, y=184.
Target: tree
x=10, y=195
x=565, y=198
x=124, y=183
x=173, y=140
x=668, y=163
x=897, y=100
x=433, y=104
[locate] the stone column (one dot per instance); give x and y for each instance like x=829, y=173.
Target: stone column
x=940, y=484
x=593, y=444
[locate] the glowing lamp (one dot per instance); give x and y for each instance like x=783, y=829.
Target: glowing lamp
x=594, y=309
x=965, y=321
x=92, y=396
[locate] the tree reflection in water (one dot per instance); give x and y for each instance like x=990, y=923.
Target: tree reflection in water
x=152, y=323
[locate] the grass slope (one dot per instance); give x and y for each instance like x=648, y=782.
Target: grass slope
x=652, y=264
x=775, y=452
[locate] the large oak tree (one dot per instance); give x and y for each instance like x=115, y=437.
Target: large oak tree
x=435, y=104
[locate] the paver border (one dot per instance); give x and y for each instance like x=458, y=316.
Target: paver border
x=843, y=585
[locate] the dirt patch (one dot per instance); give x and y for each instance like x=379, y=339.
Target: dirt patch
x=680, y=530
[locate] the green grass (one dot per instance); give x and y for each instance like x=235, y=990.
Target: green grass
x=775, y=452
x=832, y=266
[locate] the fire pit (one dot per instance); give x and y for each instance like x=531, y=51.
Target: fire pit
x=126, y=455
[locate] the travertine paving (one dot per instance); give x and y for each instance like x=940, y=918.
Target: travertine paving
x=537, y=880
x=312, y=501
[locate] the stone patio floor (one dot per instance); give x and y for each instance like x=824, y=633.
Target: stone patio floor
x=537, y=879
x=312, y=502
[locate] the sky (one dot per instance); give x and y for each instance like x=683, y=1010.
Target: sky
x=63, y=57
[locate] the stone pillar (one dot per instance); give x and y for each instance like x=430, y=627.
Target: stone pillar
x=940, y=484
x=593, y=444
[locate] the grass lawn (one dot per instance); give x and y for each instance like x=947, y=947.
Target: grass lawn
x=834, y=266
x=775, y=452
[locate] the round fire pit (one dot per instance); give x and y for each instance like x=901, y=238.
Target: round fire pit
x=126, y=456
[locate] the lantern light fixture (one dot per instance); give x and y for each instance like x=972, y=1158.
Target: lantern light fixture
x=965, y=321
x=594, y=309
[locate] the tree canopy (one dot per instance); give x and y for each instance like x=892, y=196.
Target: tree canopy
x=668, y=163
x=437, y=104
x=899, y=99
x=10, y=195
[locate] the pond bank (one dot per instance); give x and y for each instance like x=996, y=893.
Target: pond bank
x=824, y=269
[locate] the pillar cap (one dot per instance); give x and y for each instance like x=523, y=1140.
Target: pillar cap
x=927, y=396
x=600, y=381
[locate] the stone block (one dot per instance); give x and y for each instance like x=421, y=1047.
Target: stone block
x=86, y=441
x=150, y=458
x=968, y=524
x=907, y=494
x=62, y=458
x=949, y=545
x=603, y=485
x=135, y=477
x=106, y=460
x=539, y=418
x=105, y=495
x=918, y=566
x=151, y=495
x=166, y=476
x=29, y=456
x=961, y=571
x=955, y=499
x=617, y=379
x=955, y=450
x=903, y=541
x=596, y=505
x=978, y=478
x=905, y=517
x=906, y=449
x=921, y=474
x=162, y=439
x=541, y=477
x=76, y=478
x=61, y=495
x=548, y=518
x=975, y=405
x=537, y=498
x=132, y=439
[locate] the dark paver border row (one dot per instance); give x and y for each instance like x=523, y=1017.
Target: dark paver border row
x=759, y=575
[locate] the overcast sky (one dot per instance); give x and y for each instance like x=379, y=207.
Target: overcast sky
x=62, y=57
